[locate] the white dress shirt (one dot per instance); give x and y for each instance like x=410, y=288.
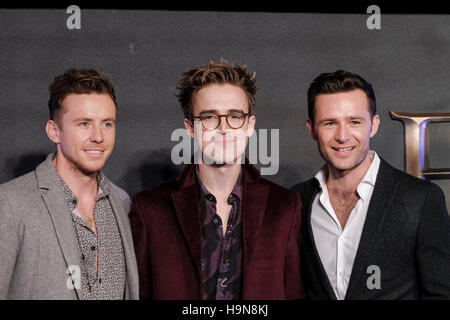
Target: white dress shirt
x=336, y=246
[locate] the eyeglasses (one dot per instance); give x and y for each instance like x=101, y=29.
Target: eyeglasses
x=211, y=121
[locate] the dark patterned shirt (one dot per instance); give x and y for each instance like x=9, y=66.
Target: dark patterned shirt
x=108, y=282
x=221, y=255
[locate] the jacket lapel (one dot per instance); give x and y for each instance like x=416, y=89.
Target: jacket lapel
x=53, y=197
x=310, y=243
x=127, y=241
x=253, y=207
x=186, y=203
x=382, y=196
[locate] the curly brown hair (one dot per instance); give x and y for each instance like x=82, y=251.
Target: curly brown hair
x=77, y=81
x=212, y=72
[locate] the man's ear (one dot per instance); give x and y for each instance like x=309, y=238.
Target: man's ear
x=53, y=131
x=251, y=125
x=310, y=126
x=375, y=125
x=189, y=127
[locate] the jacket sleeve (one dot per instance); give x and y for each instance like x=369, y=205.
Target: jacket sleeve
x=141, y=247
x=292, y=273
x=433, y=247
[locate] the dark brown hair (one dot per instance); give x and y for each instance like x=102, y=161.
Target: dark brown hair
x=339, y=81
x=212, y=72
x=77, y=81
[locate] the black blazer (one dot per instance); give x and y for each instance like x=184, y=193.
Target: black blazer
x=406, y=234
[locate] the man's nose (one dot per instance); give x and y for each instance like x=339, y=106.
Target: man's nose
x=342, y=134
x=96, y=134
x=223, y=125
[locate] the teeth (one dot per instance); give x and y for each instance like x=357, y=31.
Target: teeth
x=94, y=151
x=344, y=150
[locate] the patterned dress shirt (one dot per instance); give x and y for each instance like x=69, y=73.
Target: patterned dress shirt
x=108, y=282
x=221, y=254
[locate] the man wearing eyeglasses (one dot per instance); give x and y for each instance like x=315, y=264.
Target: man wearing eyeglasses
x=218, y=231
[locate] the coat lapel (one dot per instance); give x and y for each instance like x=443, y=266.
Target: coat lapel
x=53, y=197
x=382, y=197
x=186, y=203
x=310, y=243
x=121, y=214
x=253, y=207
x=254, y=199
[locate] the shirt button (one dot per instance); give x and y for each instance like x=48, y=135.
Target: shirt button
x=74, y=201
x=341, y=274
x=215, y=220
x=93, y=248
x=100, y=280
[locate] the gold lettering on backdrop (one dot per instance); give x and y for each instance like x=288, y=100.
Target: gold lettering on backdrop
x=417, y=146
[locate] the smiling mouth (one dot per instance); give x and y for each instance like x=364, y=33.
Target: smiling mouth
x=343, y=149
x=94, y=151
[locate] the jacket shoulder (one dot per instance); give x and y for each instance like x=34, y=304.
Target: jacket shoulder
x=18, y=197
x=305, y=187
x=277, y=191
x=19, y=186
x=405, y=180
x=156, y=193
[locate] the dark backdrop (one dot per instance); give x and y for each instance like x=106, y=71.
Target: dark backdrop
x=145, y=52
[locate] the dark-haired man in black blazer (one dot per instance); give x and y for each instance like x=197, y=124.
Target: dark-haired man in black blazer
x=369, y=231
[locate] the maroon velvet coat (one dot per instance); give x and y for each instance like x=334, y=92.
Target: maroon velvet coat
x=166, y=226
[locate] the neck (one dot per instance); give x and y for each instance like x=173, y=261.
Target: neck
x=80, y=183
x=348, y=180
x=219, y=180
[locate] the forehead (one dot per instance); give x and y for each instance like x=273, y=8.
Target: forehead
x=342, y=104
x=89, y=105
x=220, y=98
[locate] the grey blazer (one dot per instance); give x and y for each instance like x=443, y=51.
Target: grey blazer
x=406, y=234
x=38, y=242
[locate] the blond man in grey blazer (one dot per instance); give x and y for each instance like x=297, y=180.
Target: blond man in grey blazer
x=64, y=228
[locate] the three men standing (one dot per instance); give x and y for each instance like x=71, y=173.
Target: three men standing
x=220, y=230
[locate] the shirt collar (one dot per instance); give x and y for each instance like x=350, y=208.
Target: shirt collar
x=367, y=182
x=204, y=192
x=104, y=189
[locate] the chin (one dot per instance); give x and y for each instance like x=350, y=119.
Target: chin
x=89, y=169
x=220, y=160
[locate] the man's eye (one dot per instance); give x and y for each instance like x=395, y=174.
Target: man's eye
x=236, y=115
x=328, y=123
x=84, y=124
x=356, y=122
x=207, y=117
x=108, y=124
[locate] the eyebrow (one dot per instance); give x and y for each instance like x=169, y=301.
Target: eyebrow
x=90, y=119
x=348, y=118
x=358, y=118
x=215, y=111
x=327, y=120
